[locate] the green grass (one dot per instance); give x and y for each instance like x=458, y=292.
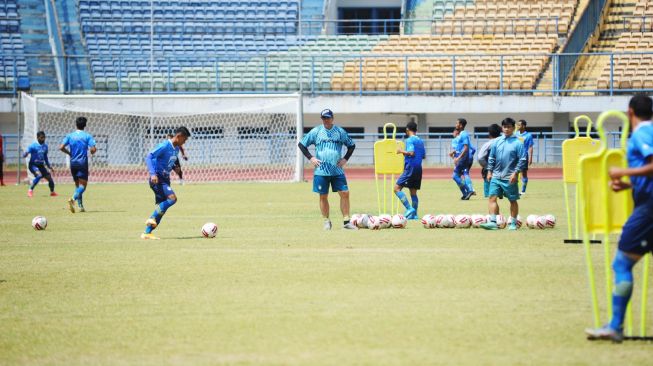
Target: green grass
x=273, y=288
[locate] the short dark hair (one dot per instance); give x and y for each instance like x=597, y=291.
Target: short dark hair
x=494, y=130
x=642, y=106
x=183, y=131
x=411, y=126
x=40, y=134
x=508, y=121
x=80, y=122
x=523, y=122
x=463, y=122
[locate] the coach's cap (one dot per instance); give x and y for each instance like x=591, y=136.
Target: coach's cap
x=326, y=114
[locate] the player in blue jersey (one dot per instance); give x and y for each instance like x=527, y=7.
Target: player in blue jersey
x=527, y=138
x=39, y=163
x=160, y=162
x=637, y=234
x=411, y=178
x=461, y=161
x=79, y=143
x=507, y=158
x=329, y=163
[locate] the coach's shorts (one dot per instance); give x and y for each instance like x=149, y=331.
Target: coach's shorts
x=503, y=188
x=39, y=170
x=321, y=183
x=79, y=172
x=411, y=179
x=161, y=190
x=637, y=233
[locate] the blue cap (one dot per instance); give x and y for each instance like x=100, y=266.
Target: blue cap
x=326, y=114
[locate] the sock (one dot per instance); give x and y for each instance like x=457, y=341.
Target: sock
x=346, y=220
x=404, y=200
x=460, y=183
x=468, y=182
x=623, y=279
x=51, y=184
x=35, y=181
x=415, y=201
x=78, y=193
x=158, y=213
x=493, y=218
x=524, y=182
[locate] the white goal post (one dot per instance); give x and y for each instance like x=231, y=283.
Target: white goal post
x=235, y=138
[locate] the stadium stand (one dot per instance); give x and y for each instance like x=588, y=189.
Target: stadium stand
x=12, y=50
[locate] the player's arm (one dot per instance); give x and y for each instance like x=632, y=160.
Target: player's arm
x=47, y=161
x=491, y=161
x=617, y=173
x=350, y=149
x=530, y=151
x=183, y=152
x=91, y=144
x=308, y=140
x=521, y=163
x=150, y=161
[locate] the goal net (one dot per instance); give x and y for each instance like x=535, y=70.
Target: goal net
x=234, y=137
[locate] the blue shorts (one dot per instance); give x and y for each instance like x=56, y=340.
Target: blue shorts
x=39, y=170
x=337, y=182
x=79, y=172
x=637, y=233
x=411, y=178
x=503, y=188
x=462, y=167
x=161, y=190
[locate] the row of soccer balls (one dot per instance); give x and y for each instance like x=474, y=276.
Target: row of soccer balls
x=365, y=221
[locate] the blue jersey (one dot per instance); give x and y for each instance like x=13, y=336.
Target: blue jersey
x=161, y=160
x=328, y=148
x=38, y=154
x=507, y=156
x=454, y=146
x=640, y=149
x=527, y=139
x=416, y=145
x=79, y=142
x=463, y=139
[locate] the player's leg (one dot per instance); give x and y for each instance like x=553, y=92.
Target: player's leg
x=468, y=180
x=79, y=193
x=48, y=177
x=37, y=177
x=321, y=187
x=635, y=242
x=511, y=191
x=524, y=180
x=339, y=184
x=414, y=200
x=399, y=185
x=2, y=173
x=493, y=207
x=457, y=173
x=165, y=198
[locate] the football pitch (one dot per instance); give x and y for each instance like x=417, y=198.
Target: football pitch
x=274, y=288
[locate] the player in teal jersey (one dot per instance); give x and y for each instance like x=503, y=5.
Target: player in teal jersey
x=329, y=163
x=527, y=139
x=411, y=178
x=79, y=143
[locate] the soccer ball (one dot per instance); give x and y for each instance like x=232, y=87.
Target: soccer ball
x=531, y=221
x=362, y=221
x=373, y=223
x=399, y=221
x=463, y=221
x=354, y=219
x=519, y=222
x=477, y=220
x=448, y=221
x=39, y=223
x=501, y=221
x=438, y=220
x=550, y=221
x=386, y=221
x=428, y=221
x=541, y=222
x=209, y=230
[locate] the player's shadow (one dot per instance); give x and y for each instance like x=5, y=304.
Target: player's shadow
x=103, y=211
x=192, y=237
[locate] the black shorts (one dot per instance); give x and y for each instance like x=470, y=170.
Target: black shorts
x=39, y=170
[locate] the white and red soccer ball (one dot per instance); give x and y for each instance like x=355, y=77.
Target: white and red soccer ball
x=462, y=221
x=39, y=223
x=386, y=221
x=429, y=221
x=373, y=223
x=550, y=221
x=477, y=220
x=209, y=230
x=531, y=221
x=399, y=221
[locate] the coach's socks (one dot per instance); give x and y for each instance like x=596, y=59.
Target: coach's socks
x=35, y=182
x=404, y=200
x=623, y=288
x=524, y=183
